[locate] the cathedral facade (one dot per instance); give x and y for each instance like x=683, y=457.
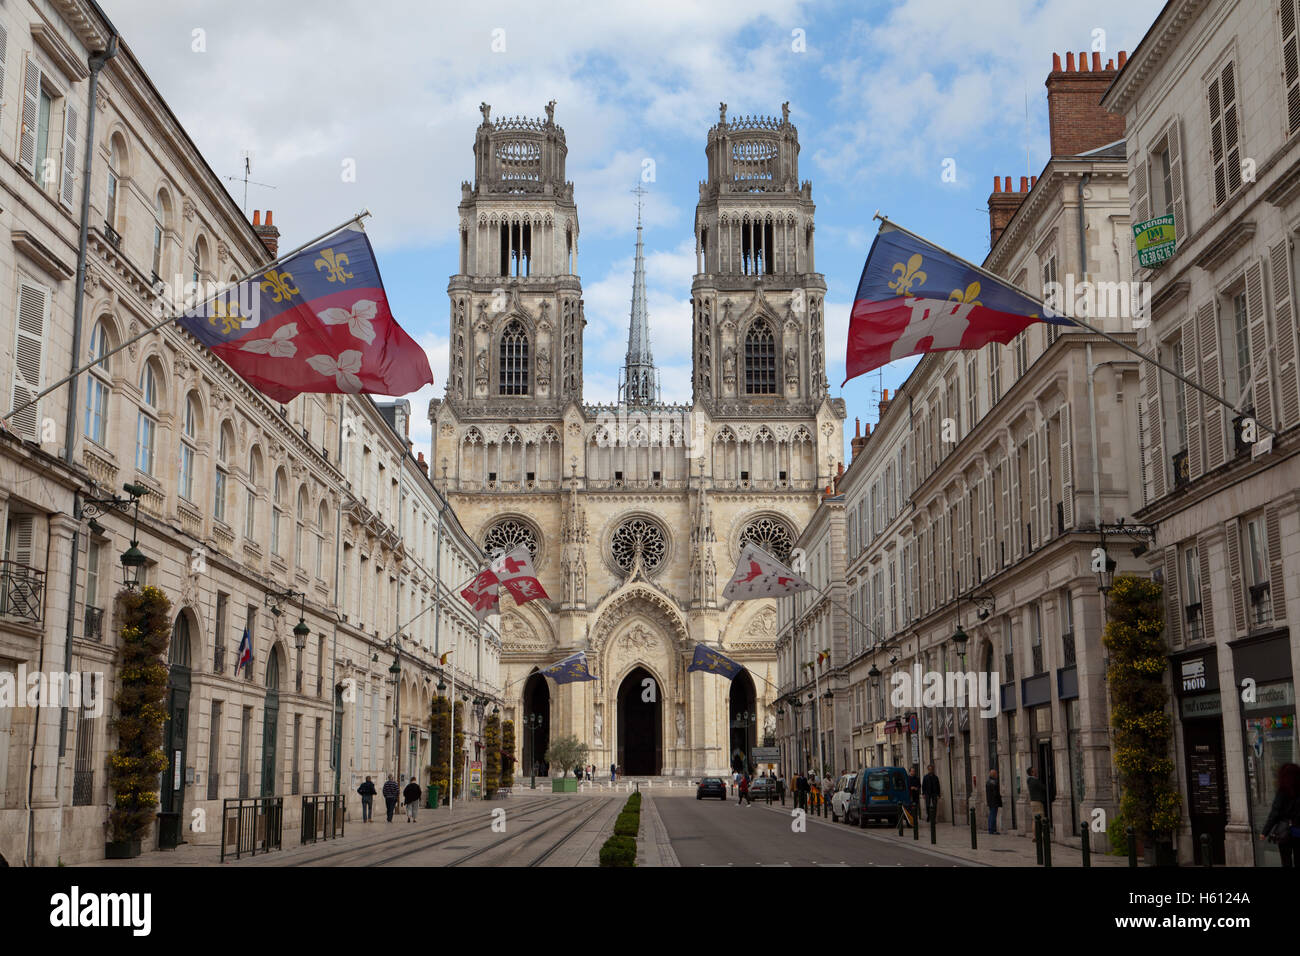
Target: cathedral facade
x=636, y=512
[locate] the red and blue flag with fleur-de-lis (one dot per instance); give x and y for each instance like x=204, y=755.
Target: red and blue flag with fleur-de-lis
x=317, y=321
x=915, y=297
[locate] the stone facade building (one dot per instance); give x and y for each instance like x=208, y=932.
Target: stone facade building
x=973, y=511
x=1211, y=102
x=245, y=499
x=635, y=513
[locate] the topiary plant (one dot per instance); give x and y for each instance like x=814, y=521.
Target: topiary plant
x=508, y=754
x=1143, y=728
x=491, y=755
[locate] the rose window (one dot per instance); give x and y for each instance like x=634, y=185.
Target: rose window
x=772, y=536
x=504, y=536
x=639, y=536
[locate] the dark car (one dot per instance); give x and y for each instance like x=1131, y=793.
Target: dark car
x=711, y=787
x=759, y=787
x=879, y=793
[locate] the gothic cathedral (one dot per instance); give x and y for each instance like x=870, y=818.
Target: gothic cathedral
x=635, y=512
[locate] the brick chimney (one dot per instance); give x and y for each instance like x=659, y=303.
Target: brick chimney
x=269, y=234
x=855, y=446
x=1075, y=117
x=1003, y=203
x=423, y=465
x=884, y=403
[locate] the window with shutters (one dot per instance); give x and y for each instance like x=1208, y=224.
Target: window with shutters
x=972, y=391
x=1022, y=354
x=1225, y=133
x=1053, y=300
x=189, y=435
x=995, y=373
x=146, y=434
x=1241, y=393
x=1179, y=438
x=1190, y=566
x=1291, y=62
x=29, y=344
x=113, y=212
x=1255, y=560
x=1008, y=651
x=1036, y=636
x=220, y=476
x=98, y=384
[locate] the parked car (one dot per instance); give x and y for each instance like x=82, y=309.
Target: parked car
x=759, y=787
x=840, y=799
x=879, y=793
x=711, y=787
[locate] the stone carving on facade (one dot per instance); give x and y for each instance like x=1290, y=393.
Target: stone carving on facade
x=762, y=627
x=597, y=725
x=769, y=726
x=792, y=366
x=188, y=209
x=680, y=720
x=638, y=641
x=481, y=369
x=543, y=367
x=517, y=633
x=729, y=365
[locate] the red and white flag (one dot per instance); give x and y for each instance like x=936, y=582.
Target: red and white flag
x=515, y=573
x=760, y=575
x=482, y=594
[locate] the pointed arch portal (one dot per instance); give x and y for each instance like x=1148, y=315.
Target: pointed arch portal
x=640, y=724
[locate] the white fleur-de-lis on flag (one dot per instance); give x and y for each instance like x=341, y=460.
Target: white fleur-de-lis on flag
x=345, y=368
x=358, y=320
x=279, y=345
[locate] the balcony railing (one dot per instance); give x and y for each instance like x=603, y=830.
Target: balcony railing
x=1009, y=666
x=94, y=624
x=1195, y=625
x=22, y=591
x=112, y=236
x=1260, y=604
x=1181, y=475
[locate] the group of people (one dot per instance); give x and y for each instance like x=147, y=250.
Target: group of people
x=410, y=796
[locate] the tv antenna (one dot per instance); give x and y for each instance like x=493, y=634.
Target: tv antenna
x=248, y=168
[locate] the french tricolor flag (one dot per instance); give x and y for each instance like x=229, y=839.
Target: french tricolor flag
x=915, y=297
x=244, y=657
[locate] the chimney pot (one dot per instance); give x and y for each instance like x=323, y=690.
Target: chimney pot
x=1083, y=61
x=1069, y=62
x=1110, y=64
x=1007, y=187
x=268, y=217
x=1096, y=62
x=257, y=217
x=1123, y=58
x=1032, y=180
x=857, y=428
x=839, y=469
x=886, y=394
x=1024, y=184
x=1056, y=63
x=997, y=183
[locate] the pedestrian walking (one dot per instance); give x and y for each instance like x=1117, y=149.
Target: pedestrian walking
x=930, y=790
x=742, y=788
x=411, y=795
x=993, y=797
x=914, y=788
x=801, y=790
x=1283, y=824
x=390, y=796
x=367, y=791
x=613, y=772
x=1037, y=795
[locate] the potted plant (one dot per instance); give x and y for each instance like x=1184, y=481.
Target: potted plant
x=133, y=768
x=1143, y=727
x=508, y=754
x=566, y=752
x=491, y=756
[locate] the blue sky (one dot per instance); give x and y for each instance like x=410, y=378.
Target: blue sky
x=882, y=94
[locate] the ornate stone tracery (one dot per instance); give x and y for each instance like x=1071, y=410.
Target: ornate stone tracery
x=508, y=534
x=771, y=535
x=639, y=538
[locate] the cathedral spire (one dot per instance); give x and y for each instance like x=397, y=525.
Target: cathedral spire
x=640, y=385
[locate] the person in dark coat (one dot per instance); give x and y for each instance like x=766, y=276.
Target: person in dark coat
x=411, y=797
x=993, y=797
x=1285, y=809
x=390, y=796
x=914, y=788
x=930, y=790
x=1037, y=795
x=801, y=790
x=367, y=791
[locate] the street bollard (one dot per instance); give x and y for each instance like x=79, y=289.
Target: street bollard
x=934, y=835
x=1038, y=838
x=973, y=831
x=916, y=822
x=900, y=824
x=1087, y=850
x=1207, y=855
x=1132, y=847
x=1047, y=840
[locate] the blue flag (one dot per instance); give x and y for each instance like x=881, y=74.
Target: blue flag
x=572, y=668
x=715, y=662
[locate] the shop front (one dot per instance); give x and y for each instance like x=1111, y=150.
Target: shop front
x=1200, y=711
x=1268, y=719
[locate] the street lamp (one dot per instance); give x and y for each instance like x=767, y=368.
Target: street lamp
x=532, y=722
x=132, y=559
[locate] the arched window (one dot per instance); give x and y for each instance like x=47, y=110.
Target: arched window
x=146, y=433
x=189, y=435
x=254, y=476
x=99, y=385
x=321, y=517
x=514, y=360
x=300, y=527
x=161, y=211
x=116, y=163
x=277, y=502
x=760, y=360
x=198, y=263
x=225, y=441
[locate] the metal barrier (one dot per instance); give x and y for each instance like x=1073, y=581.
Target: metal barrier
x=322, y=817
x=251, y=824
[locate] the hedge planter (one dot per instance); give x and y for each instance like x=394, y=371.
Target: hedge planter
x=564, y=785
x=122, y=850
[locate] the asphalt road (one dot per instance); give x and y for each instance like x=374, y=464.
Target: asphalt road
x=714, y=833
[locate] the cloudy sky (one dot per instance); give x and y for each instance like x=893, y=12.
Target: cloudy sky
x=882, y=94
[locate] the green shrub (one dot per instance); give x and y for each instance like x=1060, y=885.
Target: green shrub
x=618, y=851
x=627, y=824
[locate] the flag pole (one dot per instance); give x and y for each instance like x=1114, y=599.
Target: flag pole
x=1081, y=324
x=150, y=330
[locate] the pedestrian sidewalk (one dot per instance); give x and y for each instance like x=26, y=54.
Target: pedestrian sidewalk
x=1007, y=848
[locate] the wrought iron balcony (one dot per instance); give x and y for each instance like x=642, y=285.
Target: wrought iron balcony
x=94, y=624
x=22, y=591
x=1195, y=622
x=1260, y=604
x=111, y=234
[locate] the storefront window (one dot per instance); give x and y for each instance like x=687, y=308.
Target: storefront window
x=1270, y=742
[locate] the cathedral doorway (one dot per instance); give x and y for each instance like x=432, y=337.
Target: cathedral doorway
x=537, y=700
x=640, y=724
x=744, y=717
